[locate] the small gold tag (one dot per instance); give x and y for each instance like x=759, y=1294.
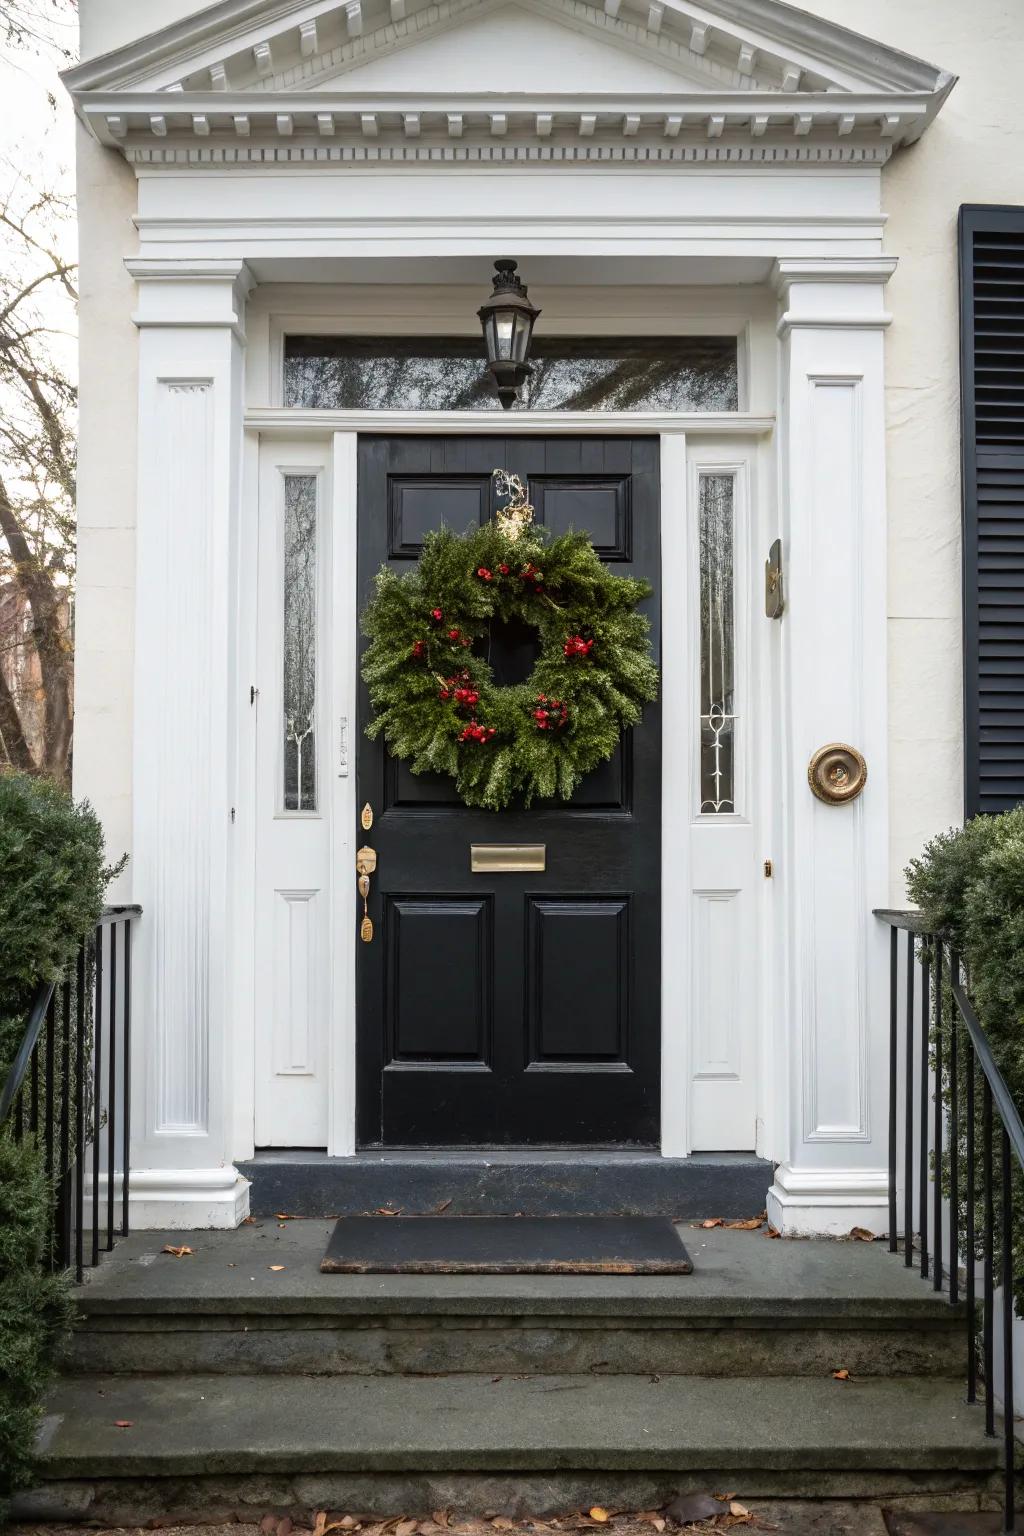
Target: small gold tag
x=366, y=930
x=366, y=817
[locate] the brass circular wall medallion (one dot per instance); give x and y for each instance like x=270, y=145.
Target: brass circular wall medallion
x=837, y=773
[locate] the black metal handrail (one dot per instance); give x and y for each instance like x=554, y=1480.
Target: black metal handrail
x=939, y=965
x=70, y=1082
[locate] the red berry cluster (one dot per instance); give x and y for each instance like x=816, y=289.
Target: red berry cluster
x=550, y=714
x=461, y=690
x=484, y=574
x=475, y=732
x=576, y=648
x=418, y=649
x=532, y=575
x=436, y=615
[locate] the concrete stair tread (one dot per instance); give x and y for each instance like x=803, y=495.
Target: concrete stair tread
x=208, y=1424
x=736, y=1275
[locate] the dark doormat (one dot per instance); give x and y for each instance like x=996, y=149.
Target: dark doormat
x=506, y=1245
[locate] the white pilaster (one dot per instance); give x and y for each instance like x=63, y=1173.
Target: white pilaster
x=833, y=1149
x=190, y=318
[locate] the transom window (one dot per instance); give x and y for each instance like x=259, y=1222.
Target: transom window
x=570, y=373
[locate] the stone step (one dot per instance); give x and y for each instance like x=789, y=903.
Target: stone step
x=255, y=1301
x=126, y=1448
x=494, y=1182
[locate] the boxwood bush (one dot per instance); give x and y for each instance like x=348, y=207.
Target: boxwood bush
x=51, y=893
x=969, y=884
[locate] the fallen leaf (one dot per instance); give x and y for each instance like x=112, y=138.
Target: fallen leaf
x=842, y=1375
x=503, y=1523
x=440, y=1209
x=746, y=1226
x=713, y=1221
x=275, y=1267
x=691, y=1508
x=178, y=1253
x=771, y=1232
x=862, y=1234
x=406, y=1527
x=384, y=1210
x=268, y=1524
x=248, y=1221
x=123, y=1423
x=736, y=1508
x=284, y=1527
x=284, y=1216
x=599, y=1514
x=651, y=1517
x=440, y=1517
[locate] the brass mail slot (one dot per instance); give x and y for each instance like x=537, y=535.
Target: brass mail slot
x=505, y=858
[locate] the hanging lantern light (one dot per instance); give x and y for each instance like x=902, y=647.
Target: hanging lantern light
x=508, y=318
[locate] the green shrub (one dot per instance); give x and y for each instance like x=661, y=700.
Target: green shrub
x=51, y=894
x=969, y=885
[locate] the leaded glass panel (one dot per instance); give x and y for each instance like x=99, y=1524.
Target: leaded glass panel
x=300, y=621
x=716, y=515
x=570, y=373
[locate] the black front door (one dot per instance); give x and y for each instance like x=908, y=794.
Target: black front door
x=512, y=1008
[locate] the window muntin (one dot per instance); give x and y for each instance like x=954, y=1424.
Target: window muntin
x=299, y=648
x=570, y=373
x=716, y=510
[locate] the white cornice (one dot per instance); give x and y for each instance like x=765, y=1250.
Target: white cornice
x=246, y=127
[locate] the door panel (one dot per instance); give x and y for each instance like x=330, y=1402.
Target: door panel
x=511, y=1008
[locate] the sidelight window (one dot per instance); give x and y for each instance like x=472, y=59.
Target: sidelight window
x=299, y=648
x=716, y=494
x=570, y=373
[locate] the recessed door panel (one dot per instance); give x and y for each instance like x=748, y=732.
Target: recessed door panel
x=439, y=968
x=577, y=980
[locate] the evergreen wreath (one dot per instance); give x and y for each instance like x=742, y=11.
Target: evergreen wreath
x=434, y=697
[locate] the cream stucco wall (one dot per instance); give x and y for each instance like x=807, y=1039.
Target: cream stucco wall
x=968, y=155
x=971, y=154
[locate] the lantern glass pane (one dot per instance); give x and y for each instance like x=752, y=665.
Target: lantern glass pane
x=504, y=325
x=570, y=373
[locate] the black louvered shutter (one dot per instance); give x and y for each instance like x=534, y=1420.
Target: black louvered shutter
x=992, y=406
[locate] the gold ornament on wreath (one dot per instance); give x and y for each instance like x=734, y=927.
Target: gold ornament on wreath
x=515, y=518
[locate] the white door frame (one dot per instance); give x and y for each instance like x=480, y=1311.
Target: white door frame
x=736, y=437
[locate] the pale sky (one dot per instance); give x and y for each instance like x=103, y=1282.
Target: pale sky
x=36, y=133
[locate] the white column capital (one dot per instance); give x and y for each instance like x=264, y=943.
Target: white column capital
x=186, y=294
x=832, y=293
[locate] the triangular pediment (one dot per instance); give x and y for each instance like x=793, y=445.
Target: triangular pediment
x=526, y=45
x=739, y=71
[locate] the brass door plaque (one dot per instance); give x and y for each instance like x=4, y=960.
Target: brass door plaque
x=366, y=817
x=837, y=773
x=506, y=858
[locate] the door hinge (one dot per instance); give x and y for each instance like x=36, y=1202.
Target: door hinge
x=254, y=693
x=768, y=869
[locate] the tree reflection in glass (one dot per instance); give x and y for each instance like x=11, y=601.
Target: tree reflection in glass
x=299, y=648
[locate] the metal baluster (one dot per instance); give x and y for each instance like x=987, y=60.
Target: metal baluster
x=908, y=1128
x=33, y=1112
x=990, y=1222
x=80, y=977
x=954, y=1142
x=937, y=1139
x=894, y=962
x=972, y=1352
x=922, y=1195
x=126, y=1014
x=50, y=1111
x=1007, y=1284
x=112, y=1088
x=97, y=1089
x=64, y=1244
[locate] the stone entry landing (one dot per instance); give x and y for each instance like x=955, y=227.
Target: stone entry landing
x=515, y=1394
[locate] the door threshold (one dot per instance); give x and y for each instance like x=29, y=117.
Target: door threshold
x=508, y=1181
